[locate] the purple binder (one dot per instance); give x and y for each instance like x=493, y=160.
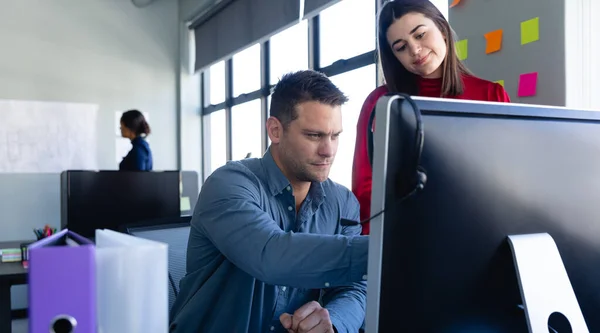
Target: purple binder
x=62, y=284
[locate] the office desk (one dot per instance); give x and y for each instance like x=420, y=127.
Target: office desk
x=11, y=273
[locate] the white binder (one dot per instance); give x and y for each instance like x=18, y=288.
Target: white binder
x=132, y=284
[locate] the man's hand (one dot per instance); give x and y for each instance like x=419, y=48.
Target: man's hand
x=309, y=318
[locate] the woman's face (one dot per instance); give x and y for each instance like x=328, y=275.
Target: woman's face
x=418, y=44
x=125, y=132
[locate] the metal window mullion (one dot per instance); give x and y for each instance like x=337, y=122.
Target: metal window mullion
x=228, y=103
x=205, y=149
x=314, y=41
x=265, y=78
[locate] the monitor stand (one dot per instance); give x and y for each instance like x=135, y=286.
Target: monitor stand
x=545, y=287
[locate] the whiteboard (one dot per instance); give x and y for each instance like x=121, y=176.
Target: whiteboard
x=43, y=137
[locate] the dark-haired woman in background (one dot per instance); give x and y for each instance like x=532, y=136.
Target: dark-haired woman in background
x=135, y=128
x=418, y=56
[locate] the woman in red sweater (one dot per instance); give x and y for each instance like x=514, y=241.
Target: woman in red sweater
x=418, y=57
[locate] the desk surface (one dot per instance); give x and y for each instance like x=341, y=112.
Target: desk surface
x=12, y=270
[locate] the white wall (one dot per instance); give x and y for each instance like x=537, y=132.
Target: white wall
x=105, y=52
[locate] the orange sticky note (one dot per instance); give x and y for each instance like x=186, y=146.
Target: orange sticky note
x=454, y=3
x=493, y=41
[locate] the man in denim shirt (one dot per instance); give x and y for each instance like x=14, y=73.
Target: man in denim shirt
x=267, y=252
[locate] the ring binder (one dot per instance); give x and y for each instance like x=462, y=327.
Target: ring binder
x=63, y=324
x=62, y=284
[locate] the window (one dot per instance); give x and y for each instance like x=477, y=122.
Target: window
x=442, y=5
x=357, y=85
x=347, y=29
x=216, y=74
x=216, y=140
x=289, y=51
x=246, y=130
x=246, y=70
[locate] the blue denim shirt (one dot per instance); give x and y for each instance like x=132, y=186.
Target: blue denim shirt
x=251, y=257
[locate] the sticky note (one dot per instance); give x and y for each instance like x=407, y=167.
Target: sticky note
x=493, y=41
x=530, y=31
x=462, y=49
x=527, y=84
x=501, y=82
x=184, y=203
x=454, y=3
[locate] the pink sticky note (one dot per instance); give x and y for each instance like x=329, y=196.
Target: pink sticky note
x=527, y=84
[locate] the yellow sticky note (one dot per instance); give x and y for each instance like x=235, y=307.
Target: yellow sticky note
x=530, y=31
x=501, y=82
x=184, y=203
x=462, y=49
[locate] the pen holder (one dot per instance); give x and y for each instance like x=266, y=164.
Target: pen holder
x=41, y=233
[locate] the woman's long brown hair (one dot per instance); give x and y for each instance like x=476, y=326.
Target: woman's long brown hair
x=397, y=78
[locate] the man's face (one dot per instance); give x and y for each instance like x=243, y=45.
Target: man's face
x=307, y=147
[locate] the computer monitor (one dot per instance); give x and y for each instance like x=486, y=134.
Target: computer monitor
x=93, y=200
x=440, y=260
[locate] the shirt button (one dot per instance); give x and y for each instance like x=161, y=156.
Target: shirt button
x=326, y=284
x=289, y=188
x=364, y=277
x=272, y=328
x=290, y=208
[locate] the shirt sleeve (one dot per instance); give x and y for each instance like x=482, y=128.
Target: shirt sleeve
x=347, y=304
x=230, y=213
x=500, y=94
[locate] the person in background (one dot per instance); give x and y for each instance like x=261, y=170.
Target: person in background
x=135, y=128
x=267, y=250
x=418, y=57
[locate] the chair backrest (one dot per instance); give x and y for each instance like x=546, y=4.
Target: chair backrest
x=174, y=234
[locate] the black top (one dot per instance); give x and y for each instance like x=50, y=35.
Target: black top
x=139, y=157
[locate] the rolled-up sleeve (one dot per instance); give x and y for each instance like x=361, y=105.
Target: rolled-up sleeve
x=230, y=213
x=347, y=304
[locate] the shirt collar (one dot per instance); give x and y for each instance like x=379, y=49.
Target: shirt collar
x=277, y=181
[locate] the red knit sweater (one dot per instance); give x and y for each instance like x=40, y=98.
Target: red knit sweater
x=474, y=89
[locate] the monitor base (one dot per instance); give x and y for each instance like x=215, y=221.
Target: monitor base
x=546, y=291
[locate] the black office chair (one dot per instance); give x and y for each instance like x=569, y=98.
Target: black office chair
x=175, y=233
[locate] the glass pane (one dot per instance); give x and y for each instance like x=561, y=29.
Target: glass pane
x=216, y=144
x=289, y=51
x=246, y=70
x=216, y=74
x=347, y=29
x=246, y=130
x=442, y=5
x=357, y=85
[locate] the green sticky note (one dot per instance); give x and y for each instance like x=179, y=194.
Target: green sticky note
x=462, y=49
x=184, y=203
x=501, y=82
x=530, y=31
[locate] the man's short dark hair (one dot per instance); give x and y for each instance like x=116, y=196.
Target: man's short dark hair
x=299, y=87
